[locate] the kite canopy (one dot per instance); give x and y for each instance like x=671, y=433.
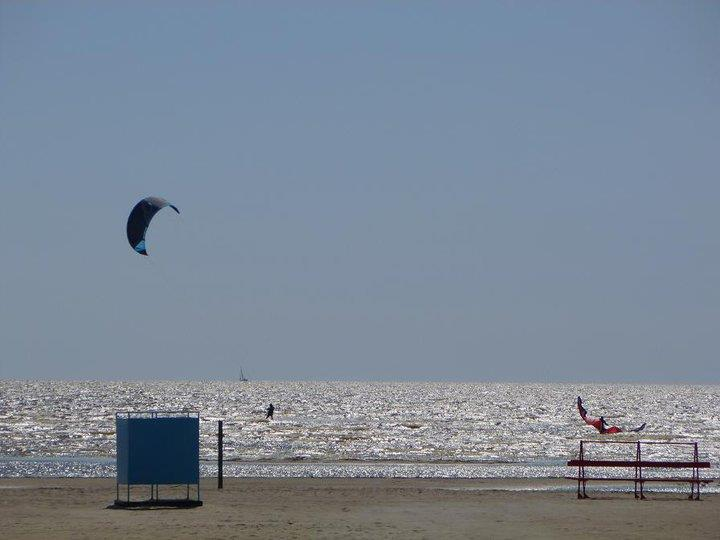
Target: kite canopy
x=140, y=218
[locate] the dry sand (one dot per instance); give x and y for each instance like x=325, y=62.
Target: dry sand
x=358, y=508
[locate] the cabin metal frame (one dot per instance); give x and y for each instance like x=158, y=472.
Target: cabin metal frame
x=175, y=461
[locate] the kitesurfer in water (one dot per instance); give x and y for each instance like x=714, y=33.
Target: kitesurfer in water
x=270, y=411
x=599, y=423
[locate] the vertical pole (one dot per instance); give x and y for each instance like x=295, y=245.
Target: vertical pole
x=642, y=482
x=220, y=454
x=580, y=455
x=583, y=475
x=696, y=475
x=637, y=464
x=692, y=484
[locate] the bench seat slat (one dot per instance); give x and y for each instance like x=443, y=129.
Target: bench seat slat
x=644, y=464
x=689, y=480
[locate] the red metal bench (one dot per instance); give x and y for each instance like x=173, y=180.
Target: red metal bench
x=639, y=464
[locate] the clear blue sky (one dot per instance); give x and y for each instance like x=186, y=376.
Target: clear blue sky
x=386, y=191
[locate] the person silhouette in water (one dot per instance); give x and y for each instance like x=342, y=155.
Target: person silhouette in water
x=600, y=424
x=270, y=411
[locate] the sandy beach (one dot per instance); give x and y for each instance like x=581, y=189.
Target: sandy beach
x=357, y=508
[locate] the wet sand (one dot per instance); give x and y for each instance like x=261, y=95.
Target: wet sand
x=356, y=508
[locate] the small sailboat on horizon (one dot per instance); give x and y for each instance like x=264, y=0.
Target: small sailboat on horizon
x=242, y=377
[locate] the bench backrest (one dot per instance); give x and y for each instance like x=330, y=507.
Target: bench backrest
x=651, y=464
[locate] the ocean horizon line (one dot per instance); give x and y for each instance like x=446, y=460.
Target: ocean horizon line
x=360, y=381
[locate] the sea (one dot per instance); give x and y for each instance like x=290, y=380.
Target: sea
x=358, y=429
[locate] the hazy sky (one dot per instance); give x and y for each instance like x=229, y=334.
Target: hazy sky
x=474, y=191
